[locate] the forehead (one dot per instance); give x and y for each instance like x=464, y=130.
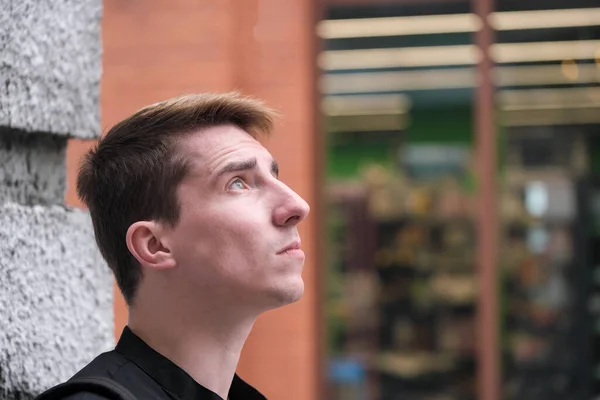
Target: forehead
x=211, y=147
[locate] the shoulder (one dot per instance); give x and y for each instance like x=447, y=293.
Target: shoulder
x=90, y=388
x=104, y=367
x=68, y=391
x=85, y=396
x=240, y=389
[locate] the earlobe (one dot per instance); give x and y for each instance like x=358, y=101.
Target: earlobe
x=144, y=242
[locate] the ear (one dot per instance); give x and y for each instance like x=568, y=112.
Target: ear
x=144, y=242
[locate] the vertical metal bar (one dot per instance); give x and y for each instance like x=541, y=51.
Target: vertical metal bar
x=488, y=360
x=318, y=208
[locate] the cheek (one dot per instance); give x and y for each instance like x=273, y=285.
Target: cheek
x=222, y=238
x=238, y=238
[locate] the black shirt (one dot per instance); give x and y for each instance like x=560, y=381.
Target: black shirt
x=150, y=376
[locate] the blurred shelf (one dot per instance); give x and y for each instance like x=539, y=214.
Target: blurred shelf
x=426, y=368
x=417, y=365
x=424, y=219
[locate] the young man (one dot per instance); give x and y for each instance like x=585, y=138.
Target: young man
x=202, y=237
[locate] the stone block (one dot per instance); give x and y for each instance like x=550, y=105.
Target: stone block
x=32, y=168
x=50, y=66
x=56, y=302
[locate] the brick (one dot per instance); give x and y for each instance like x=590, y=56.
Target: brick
x=264, y=48
x=76, y=149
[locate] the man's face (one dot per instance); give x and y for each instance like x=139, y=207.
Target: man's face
x=236, y=221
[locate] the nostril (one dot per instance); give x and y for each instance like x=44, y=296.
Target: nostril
x=292, y=220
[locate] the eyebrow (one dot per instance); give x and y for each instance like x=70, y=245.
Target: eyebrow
x=238, y=166
x=246, y=165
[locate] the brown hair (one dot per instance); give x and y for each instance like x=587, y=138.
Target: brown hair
x=133, y=172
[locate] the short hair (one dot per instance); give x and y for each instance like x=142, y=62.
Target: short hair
x=133, y=172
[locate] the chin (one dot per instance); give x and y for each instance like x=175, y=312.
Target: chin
x=287, y=293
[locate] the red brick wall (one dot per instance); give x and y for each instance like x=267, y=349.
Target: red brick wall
x=384, y=2
x=155, y=49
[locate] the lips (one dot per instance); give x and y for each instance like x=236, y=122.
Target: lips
x=292, y=247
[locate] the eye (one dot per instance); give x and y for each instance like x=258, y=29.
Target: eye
x=237, y=184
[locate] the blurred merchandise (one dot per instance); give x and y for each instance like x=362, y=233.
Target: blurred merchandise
x=348, y=378
x=406, y=81
x=544, y=280
x=409, y=297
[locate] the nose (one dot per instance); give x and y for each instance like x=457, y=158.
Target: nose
x=291, y=208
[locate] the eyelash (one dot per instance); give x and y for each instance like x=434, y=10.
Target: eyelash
x=232, y=181
x=237, y=178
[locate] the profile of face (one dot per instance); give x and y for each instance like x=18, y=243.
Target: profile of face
x=237, y=236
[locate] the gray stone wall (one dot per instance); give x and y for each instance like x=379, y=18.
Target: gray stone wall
x=55, y=290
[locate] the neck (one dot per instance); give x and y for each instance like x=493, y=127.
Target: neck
x=205, y=341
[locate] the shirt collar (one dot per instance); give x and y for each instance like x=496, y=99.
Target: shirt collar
x=171, y=377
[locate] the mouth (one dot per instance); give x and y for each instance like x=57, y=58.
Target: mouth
x=292, y=249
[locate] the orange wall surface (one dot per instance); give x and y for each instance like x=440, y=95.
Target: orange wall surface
x=156, y=49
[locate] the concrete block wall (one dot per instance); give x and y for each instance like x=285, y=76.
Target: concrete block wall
x=56, y=293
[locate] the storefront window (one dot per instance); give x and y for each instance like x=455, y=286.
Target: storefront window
x=401, y=283
x=403, y=286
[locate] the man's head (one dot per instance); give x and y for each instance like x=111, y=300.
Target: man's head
x=183, y=191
